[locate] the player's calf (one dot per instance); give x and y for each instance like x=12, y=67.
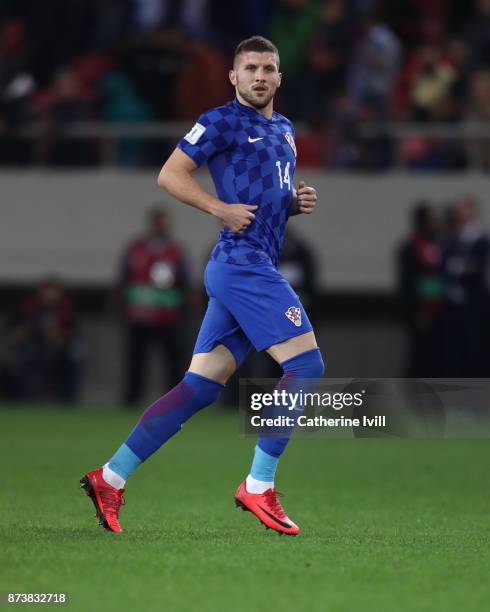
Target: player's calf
x=158, y=423
x=257, y=493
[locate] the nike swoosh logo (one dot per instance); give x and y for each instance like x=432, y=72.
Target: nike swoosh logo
x=255, y=139
x=287, y=525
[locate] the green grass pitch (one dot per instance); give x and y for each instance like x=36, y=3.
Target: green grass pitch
x=387, y=524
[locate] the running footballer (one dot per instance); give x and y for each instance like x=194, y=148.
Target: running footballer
x=250, y=153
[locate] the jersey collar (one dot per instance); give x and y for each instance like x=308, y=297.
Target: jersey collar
x=251, y=112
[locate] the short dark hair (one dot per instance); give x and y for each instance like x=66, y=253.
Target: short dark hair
x=258, y=44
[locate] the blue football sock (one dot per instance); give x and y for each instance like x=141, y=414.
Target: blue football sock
x=124, y=461
x=308, y=365
x=163, y=419
x=263, y=466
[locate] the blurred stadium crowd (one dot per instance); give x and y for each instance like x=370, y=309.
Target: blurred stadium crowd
x=354, y=69
x=443, y=270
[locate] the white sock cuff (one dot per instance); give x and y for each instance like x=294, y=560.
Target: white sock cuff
x=112, y=478
x=257, y=486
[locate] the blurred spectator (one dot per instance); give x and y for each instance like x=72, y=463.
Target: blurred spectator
x=122, y=104
x=16, y=87
x=478, y=35
x=153, y=63
x=329, y=54
x=204, y=72
x=190, y=15
x=149, y=14
x=433, y=154
x=480, y=111
x=375, y=66
x=292, y=28
x=16, y=82
x=466, y=322
x=432, y=83
x=57, y=31
x=349, y=148
x=60, y=106
x=43, y=358
x=112, y=22
x=435, y=78
x=314, y=146
x=153, y=283
x=422, y=291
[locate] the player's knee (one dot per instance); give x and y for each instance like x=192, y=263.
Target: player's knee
x=305, y=365
x=218, y=365
x=317, y=365
x=219, y=373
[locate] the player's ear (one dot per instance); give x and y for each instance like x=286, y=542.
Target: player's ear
x=232, y=75
x=279, y=74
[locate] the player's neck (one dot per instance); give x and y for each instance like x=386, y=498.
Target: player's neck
x=266, y=111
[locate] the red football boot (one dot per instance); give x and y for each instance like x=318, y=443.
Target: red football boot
x=267, y=508
x=107, y=499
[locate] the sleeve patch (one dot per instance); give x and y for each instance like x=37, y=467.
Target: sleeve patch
x=195, y=133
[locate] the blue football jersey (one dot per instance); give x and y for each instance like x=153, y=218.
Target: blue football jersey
x=252, y=161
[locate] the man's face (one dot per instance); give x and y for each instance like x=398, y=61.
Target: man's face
x=256, y=77
x=465, y=211
x=159, y=224
x=50, y=293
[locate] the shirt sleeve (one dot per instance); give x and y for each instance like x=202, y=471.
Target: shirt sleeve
x=213, y=133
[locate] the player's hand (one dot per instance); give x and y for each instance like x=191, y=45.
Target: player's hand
x=237, y=216
x=306, y=198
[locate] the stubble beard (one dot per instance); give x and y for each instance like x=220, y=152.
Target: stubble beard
x=258, y=104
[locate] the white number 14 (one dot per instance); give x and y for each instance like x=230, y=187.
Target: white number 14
x=284, y=179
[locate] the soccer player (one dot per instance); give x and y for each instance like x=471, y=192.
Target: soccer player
x=249, y=150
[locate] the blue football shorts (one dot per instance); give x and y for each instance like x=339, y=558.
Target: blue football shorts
x=249, y=305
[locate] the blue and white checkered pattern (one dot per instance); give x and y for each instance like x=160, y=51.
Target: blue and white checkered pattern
x=251, y=161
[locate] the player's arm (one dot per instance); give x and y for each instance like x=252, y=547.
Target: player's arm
x=176, y=178
x=304, y=200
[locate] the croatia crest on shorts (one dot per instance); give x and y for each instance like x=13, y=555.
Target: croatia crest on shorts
x=289, y=137
x=293, y=313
